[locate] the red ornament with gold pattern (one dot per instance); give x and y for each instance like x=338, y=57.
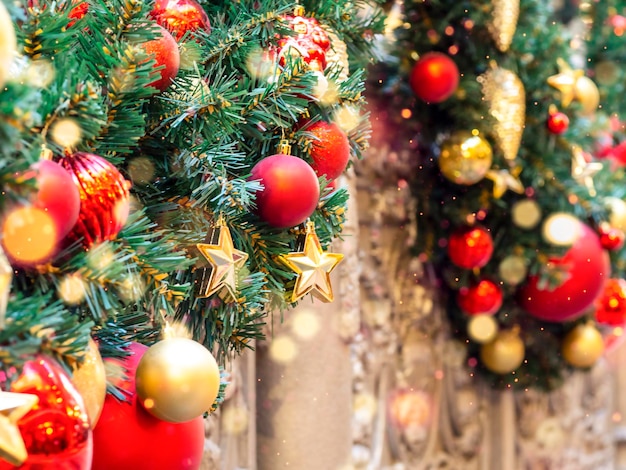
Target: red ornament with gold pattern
x=311, y=41
x=180, y=16
x=104, y=198
x=482, y=297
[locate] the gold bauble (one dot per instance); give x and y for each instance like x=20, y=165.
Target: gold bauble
x=583, y=346
x=505, y=94
x=587, y=94
x=177, y=380
x=617, y=212
x=90, y=380
x=504, y=22
x=504, y=354
x=465, y=157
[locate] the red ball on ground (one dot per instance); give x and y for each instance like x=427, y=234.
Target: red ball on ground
x=331, y=152
x=56, y=430
x=165, y=51
x=180, y=16
x=129, y=438
x=470, y=247
x=558, y=123
x=587, y=267
x=290, y=190
x=434, y=78
x=57, y=195
x=483, y=297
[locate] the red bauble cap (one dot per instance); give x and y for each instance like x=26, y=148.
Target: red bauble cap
x=611, y=305
x=587, y=266
x=434, y=78
x=180, y=16
x=470, y=247
x=128, y=437
x=331, y=152
x=483, y=297
x=290, y=191
x=165, y=51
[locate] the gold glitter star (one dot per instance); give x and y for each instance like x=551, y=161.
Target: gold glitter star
x=12, y=407
x=565, y=81
x=503, y=180
x=584, y=171
x=224, y=261
x=313, y=268
x=6, y=276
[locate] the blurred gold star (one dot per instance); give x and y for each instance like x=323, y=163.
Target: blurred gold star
x=584, y=171
x=224, y=261
x=504, y=180
x=12, y=407
x=313, y=268
x=565, y=81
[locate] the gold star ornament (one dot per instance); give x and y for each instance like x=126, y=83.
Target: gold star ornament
x=573, y=85
x=12, y=407
x=584, y=171
x=313, y=267
x=223, y=260
x=503, y=181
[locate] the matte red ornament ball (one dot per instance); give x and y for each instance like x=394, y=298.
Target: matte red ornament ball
x=470, y=247
x=104, y=197
x=586, y=266
x=611, y=305
x=165, y=51
x=290, y=190
x=127, y=437
x=331, y=152
x=483, y=297
x=611, y=238
x=180, y=16
x=56, y=430
x=434, y=78
x=557, y=123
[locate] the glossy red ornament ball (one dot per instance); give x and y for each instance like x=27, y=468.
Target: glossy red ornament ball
x=434, y=78
x=290, y=190
x=331, y=151
x=165, y=51
x=470, y=247
x=611, y=238
x=483, y=297
x=129, y=438
x=180, y=16
x=104, y=198
x=611, y=304
x=311, y=42
x=587, y=268
x=56, y=430
x=57, y=195
x=557, y=123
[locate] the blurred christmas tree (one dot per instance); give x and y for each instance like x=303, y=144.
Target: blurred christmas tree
x=516, y=209
x=162, y=164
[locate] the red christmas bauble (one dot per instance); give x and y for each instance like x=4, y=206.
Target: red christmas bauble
x=311, y=42
x=165, y=51
x=611, y=238
x=470, y=247
x=290, y=191
x=104, y=198
x=56, y=430
x=434, y=78
x=557, y=122
x=611, y=304
x=331, y=152
x=77, y=12
x=57, y=195
x=129, y=438
x=483, y=297
x=587, y=266
x=180, y=16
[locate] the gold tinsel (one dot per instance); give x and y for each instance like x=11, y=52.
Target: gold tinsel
x=504, y=22
x=504, y=92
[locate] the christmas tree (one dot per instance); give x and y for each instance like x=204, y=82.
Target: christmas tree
x=168, y=176
x=519, y=213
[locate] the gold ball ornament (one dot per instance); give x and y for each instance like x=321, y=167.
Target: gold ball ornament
x=617, y=212
x=513, y=270
x=583, y=345
x=465, y=158
x=90, y=380
x=587, y=94
x=8, y=44
x=177, y=380
x=526, y=213
x=505, y=353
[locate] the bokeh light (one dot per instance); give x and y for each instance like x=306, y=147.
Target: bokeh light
x=29, y=235
x=71, y=289
x=66, y=132
x=283, y=349
x=305, y=324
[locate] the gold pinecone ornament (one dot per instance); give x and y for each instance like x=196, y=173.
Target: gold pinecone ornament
x=504, y=23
